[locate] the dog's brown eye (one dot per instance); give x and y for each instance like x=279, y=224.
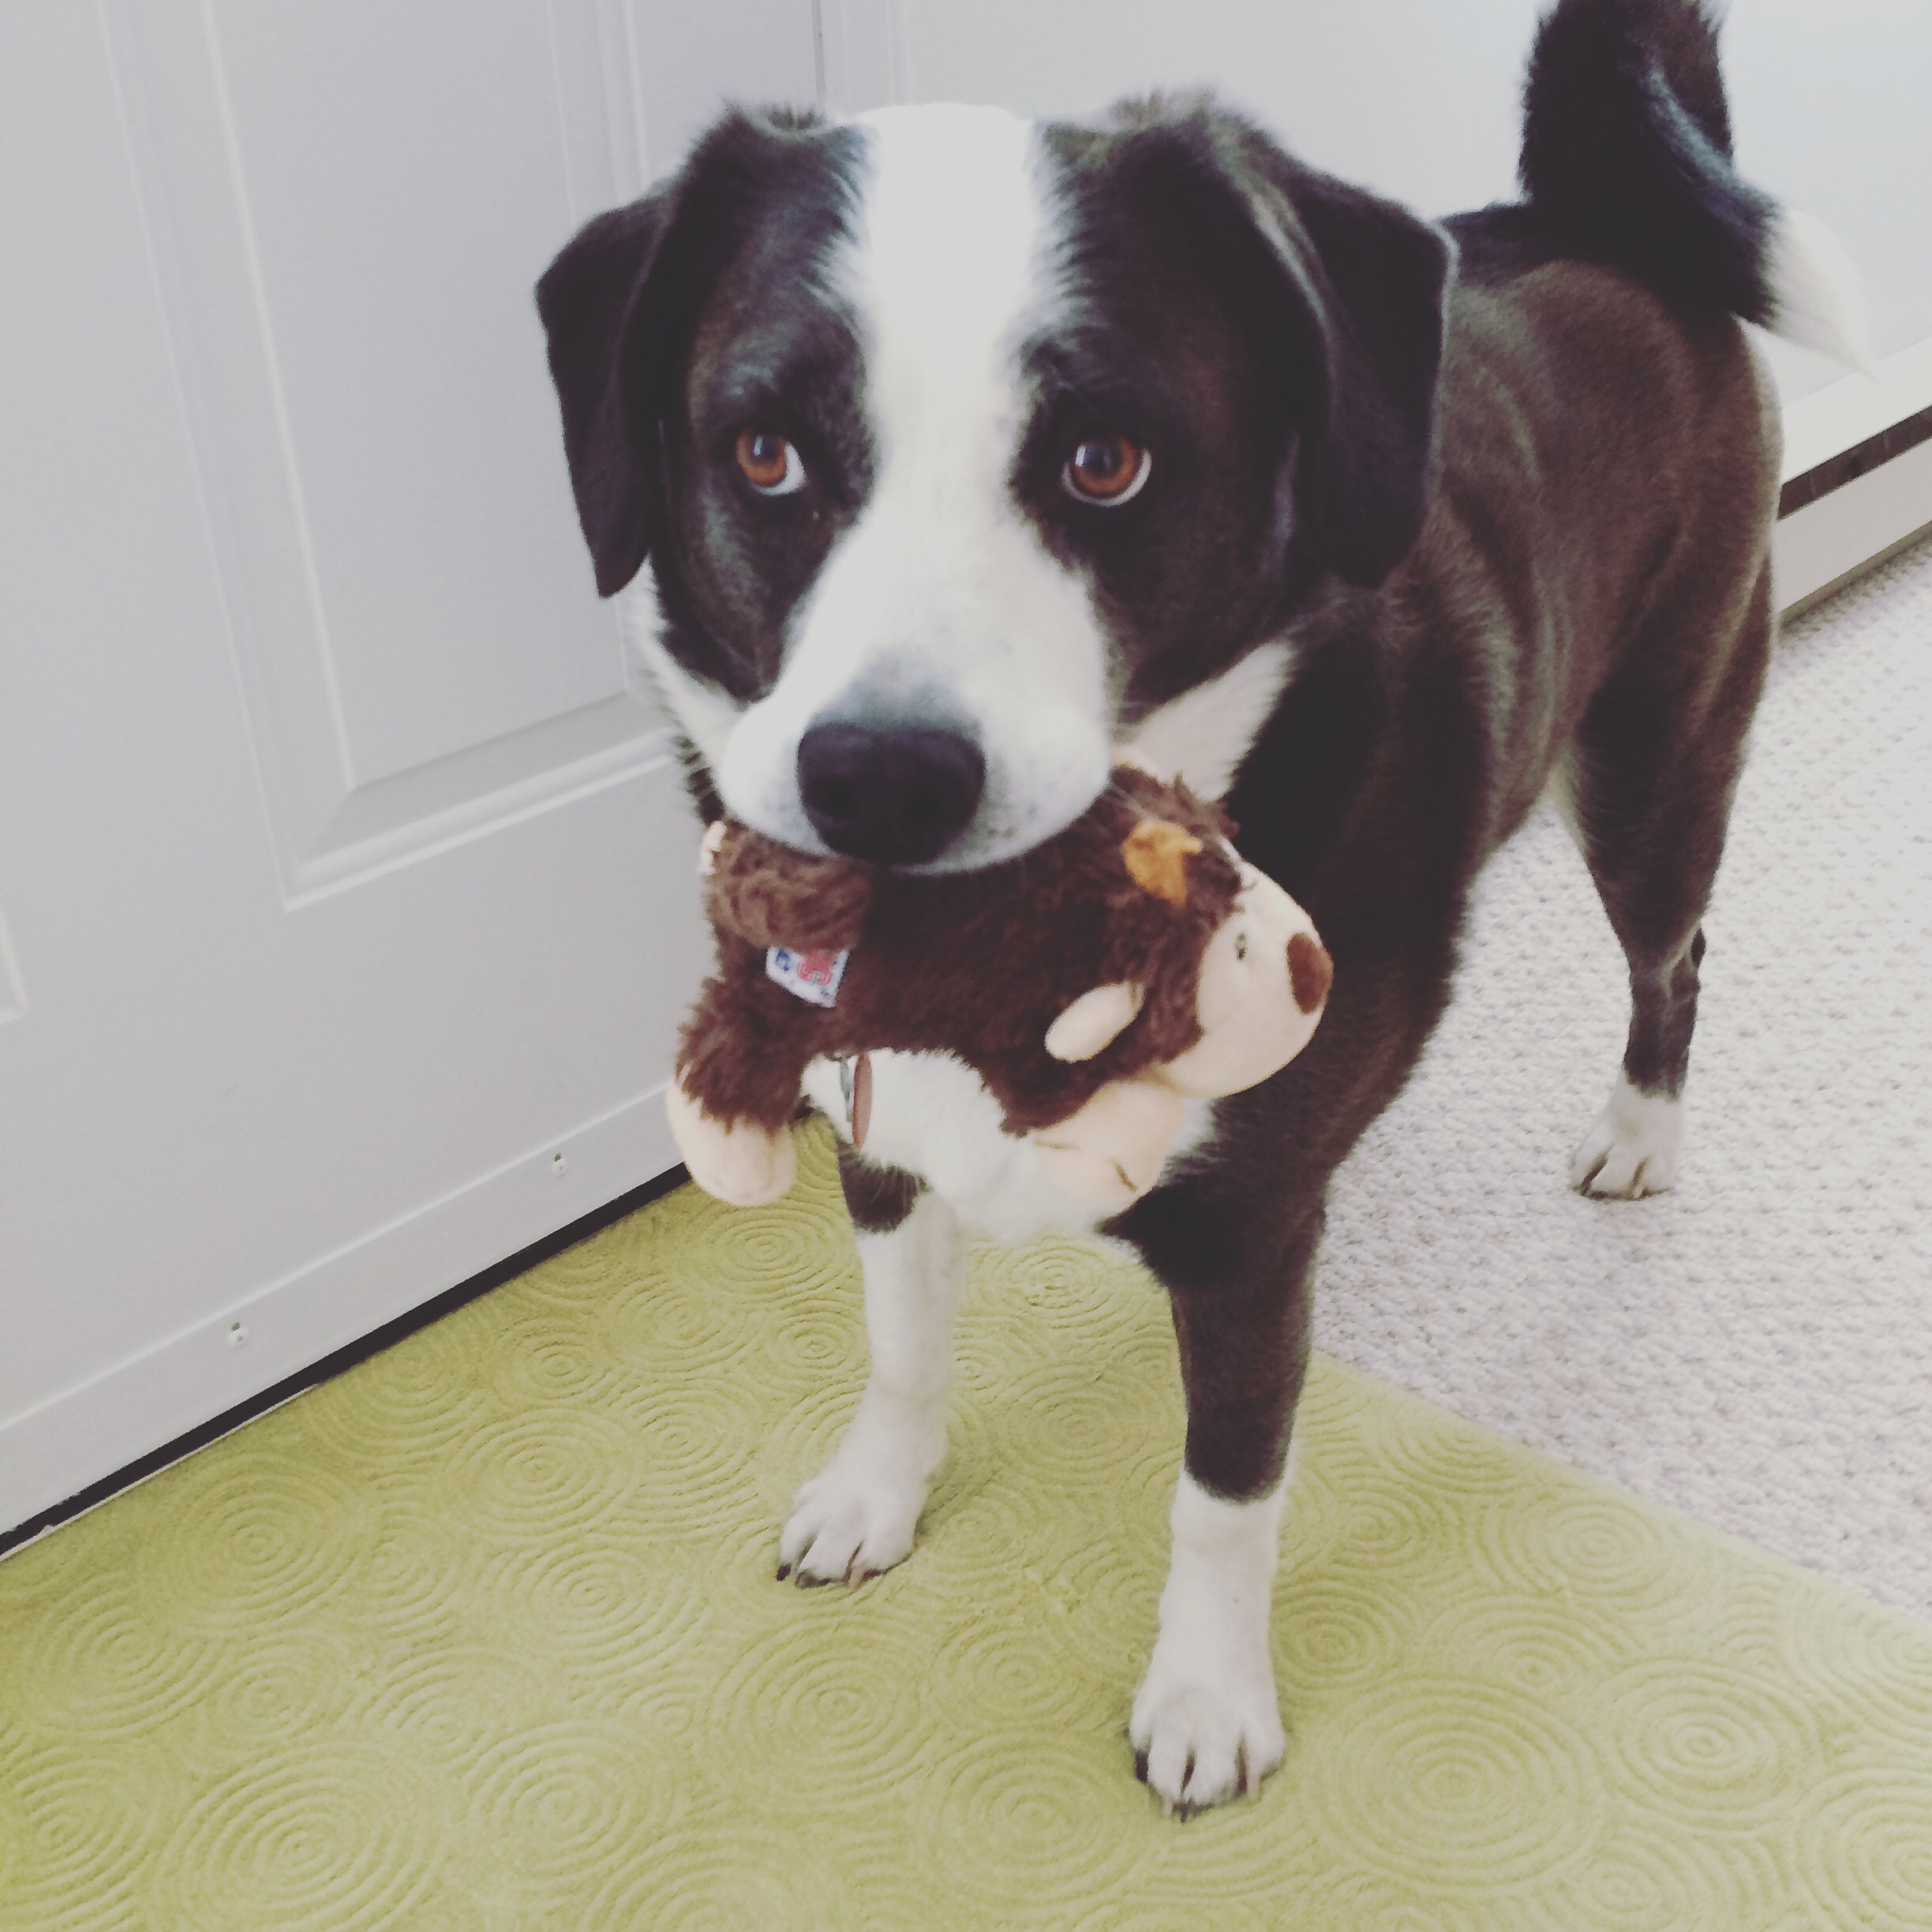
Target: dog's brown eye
x=770, y=463
x=1107, y=469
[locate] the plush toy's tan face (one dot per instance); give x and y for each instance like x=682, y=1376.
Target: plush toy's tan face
x=1264, y=980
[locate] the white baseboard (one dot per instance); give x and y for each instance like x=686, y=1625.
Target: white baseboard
x=1818, y=426
x=1815, y=549
x=65, y=1444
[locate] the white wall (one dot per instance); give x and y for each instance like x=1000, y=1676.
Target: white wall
x=1832, y=104
x=687, y=57
x=1832, y=108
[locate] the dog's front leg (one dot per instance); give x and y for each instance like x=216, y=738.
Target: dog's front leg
x=1206, y=1725
x=857, y=1516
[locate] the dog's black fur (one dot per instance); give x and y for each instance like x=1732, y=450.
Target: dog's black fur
x=1425, y=720
x=1513, y=518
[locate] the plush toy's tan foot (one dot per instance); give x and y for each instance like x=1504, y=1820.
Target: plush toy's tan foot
x=1112, y=1150
x=742, y=1164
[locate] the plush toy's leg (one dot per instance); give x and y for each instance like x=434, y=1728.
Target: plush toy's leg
x=857, y=1516
x=1111, y=1151
x=738, y=1162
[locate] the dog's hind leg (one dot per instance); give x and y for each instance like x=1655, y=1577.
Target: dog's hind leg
x=857, y=1516
x=1653, y=769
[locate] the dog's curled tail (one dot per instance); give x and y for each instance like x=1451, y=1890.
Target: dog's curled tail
x=1627, y=155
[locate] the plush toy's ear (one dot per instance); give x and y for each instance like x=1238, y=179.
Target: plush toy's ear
x=1157, y=852
x=1096, y=1019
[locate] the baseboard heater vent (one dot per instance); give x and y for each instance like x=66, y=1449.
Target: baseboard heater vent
x=1859, y=460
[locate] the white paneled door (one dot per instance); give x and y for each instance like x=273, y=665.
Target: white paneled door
x=346, y=906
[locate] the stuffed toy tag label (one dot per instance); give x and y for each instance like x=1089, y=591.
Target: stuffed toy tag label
x=813, y=976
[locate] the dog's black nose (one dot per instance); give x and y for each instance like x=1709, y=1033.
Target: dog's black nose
x=891, y=794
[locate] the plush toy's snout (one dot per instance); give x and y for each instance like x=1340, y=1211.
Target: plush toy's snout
x=1311, y=971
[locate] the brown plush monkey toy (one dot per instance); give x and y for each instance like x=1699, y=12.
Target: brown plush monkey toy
x=1094, y=984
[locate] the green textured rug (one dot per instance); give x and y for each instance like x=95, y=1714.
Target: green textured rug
x=485, y=1633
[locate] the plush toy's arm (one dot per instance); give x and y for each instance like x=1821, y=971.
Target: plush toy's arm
x=736, y=1162
x=1112, y=1150
x=743, y=1054
x=741, y=1058
x=739, y=1074
x=1095, y=1020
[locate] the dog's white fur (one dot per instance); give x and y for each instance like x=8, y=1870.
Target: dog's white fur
x=1203, y=735
x=1206, y=1723
x=1817, y=298
x=943, y=597
x=1633, y=1147
x=856, y=1517
x=1205, y=1720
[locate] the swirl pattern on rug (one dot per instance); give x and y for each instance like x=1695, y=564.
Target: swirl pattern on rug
x=485, y=1633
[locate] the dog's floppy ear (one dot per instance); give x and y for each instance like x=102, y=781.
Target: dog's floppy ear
x=1378, y=277
x=588, y=298
x=620, y=305
x=1344, y=293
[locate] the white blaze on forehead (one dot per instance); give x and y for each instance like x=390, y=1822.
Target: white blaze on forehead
x=947, y=274
x=942, y=603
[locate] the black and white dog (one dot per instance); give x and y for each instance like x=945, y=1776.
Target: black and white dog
x=962, y=450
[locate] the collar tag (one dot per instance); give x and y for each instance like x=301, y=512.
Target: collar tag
x=855, y=1090
x=814, y=977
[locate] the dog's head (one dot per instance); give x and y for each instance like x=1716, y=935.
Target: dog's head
x=958, y=444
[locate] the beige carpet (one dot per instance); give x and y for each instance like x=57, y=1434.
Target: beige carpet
x=1755, y=1348
x=485, y=1634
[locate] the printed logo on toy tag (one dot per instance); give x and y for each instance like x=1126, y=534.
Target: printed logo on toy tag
x=813, y=976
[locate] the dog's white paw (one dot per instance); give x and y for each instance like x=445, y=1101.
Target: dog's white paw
x=1200, y=1737
x=1206, y=1727
x=1633, y=1148
x=858, y=1515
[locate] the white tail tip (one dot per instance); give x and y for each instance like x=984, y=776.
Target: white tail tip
x=1817, y=300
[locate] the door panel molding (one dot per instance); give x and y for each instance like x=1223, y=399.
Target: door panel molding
x=12, y=993
x=477, y=793
x=335, y=816
x=865, y=55
x=597, y=46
